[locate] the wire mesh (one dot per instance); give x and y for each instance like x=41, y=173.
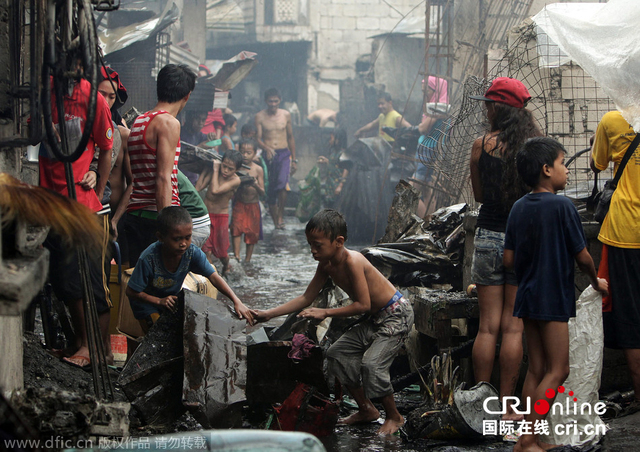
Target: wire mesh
x=566, y=102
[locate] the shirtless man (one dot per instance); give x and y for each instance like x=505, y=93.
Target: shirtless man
x=322, y=116
x=275, y=137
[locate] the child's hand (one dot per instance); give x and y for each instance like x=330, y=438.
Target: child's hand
x=245, y=313
x=314, y=313
x=603, y=287
x=216, y=165
x=322, y=160
x=259, y=315
x=168, y=302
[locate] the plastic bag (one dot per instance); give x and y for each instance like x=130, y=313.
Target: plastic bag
x=586, y=352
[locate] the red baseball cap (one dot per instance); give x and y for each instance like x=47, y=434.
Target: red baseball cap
x=508, y=91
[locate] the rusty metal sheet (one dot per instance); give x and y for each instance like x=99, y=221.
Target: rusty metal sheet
x=215, y=352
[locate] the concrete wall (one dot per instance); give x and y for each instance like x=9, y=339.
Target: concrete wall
x=342, y=32
x=398, y=67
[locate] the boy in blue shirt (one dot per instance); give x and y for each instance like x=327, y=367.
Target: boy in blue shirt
x=162, y=267
x=543, y=238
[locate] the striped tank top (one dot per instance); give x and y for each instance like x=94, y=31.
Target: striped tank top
x=143, y=166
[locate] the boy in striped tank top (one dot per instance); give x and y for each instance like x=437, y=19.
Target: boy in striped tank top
x=154, y=149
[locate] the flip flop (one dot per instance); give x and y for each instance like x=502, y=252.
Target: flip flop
x=83, y=359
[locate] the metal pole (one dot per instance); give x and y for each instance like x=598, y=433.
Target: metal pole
x=427, y=19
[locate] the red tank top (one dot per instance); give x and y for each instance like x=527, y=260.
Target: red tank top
x=143, y=166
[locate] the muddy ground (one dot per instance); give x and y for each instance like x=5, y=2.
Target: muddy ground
x=280, y=270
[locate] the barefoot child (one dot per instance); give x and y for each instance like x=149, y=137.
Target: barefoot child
x=543, y=238
x=163, y=266
x=223, y=185
x=246, y=209
x=361, y=358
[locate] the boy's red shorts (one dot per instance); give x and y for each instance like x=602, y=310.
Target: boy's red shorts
x=246, y=220
x=218, y=241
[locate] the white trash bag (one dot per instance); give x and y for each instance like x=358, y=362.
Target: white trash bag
x=586, y=351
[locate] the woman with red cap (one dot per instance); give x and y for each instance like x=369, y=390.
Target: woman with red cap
x=495, y=183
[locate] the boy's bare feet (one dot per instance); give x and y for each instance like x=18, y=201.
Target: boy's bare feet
x=367, y=415
x=547, y=446
x=391, y=426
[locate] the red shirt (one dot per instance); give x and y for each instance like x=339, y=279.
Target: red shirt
x=52, y=175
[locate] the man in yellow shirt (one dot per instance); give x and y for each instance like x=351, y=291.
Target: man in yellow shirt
x=388, y=118
x=620, y=234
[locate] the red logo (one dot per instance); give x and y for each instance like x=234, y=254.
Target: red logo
x=542, y=406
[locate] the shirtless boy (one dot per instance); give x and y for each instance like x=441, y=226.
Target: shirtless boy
x=275, y=137
x=361, y=358
x=246, y=209
x=224, y=183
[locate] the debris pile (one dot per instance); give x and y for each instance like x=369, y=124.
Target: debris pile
x=417, y=253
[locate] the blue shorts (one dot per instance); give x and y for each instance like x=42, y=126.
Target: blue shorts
x=487, y=268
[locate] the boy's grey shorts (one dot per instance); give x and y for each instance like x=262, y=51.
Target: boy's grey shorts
x=362, y=356
x=487, y=268
x=200, y=235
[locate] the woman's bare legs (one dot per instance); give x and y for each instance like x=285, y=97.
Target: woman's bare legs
x=496, y=315
x=510, y=349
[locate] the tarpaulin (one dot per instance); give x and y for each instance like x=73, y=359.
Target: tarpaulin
x=602, y=38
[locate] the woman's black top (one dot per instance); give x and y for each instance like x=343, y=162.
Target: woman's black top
x=493, y=213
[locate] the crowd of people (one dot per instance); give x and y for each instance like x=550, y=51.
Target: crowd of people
x=526, y=243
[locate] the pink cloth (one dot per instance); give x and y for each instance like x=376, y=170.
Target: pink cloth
x=439, y=85
x=301, y=347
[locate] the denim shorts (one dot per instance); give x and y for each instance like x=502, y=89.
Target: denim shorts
x=487, y=268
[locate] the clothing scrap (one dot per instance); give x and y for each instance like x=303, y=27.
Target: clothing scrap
x=245, y=220
x=218, y=241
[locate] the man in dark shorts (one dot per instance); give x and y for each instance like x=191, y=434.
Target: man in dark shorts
x=275, y=137
x=64, y=272
x=620, y=235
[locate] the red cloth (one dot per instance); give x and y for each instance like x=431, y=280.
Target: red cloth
x=246, y=220
x=218, y=241
x=52, y=175
x=213, y=122
x=603, y=272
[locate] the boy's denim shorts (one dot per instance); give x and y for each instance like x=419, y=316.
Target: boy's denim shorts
x=487, y=268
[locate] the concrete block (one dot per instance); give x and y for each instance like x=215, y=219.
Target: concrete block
x=387, y=23
x=344, y=23
x=368, y=23
x=325, y=22
x=21, y=279
x=355, y=10
x=559, y=119
x=334, y=10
